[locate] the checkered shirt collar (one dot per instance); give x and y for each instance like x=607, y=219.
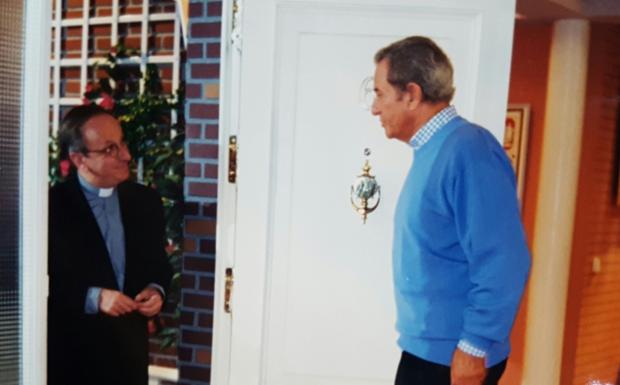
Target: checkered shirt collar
x=426, y=132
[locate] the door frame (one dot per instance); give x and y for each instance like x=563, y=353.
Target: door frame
x=34, y=188
x=230, y=59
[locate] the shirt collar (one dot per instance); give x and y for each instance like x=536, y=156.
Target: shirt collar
x=100, y=192
x=426, y=132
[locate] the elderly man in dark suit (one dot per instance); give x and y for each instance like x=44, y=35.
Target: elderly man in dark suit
x=107, y=263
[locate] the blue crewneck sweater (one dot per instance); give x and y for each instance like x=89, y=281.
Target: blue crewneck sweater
x=460, y=257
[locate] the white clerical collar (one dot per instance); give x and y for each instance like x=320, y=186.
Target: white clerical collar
x=101, y=192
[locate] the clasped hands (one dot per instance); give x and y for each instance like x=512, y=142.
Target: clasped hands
x=114, y=303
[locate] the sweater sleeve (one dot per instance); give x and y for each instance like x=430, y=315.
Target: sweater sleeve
x=488, y=225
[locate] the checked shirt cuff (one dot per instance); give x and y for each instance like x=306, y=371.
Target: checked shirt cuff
x=470, y=349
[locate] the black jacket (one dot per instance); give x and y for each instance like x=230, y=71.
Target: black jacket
x=98, y=349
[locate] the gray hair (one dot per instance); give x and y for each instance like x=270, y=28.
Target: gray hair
x=417, y=59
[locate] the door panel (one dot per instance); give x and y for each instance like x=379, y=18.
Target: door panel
x=313, y=297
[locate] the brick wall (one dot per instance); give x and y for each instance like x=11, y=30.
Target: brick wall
x=202, y=93
x=593, y=318
x=160, y=38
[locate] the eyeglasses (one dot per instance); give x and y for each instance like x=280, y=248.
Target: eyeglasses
x=110, y=150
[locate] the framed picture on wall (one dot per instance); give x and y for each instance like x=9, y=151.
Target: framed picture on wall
x=515, y=141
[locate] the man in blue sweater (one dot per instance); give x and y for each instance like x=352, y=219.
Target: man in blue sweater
x=460, y=257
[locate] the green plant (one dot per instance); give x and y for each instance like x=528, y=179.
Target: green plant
x=155, y=142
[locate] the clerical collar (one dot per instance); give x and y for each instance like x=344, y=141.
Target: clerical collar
x=101, y=192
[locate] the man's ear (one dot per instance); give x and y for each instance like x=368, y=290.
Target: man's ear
x=77, y=159
x=414, y=92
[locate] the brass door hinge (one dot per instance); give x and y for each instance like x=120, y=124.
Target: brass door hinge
x=228, y=289
x=232, y=159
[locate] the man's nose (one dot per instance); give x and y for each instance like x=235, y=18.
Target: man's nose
x=124, y=153
x=374, y=109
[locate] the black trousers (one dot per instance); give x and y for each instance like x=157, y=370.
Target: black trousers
x=413, y=370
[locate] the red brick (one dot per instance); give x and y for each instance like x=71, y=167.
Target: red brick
x=193, y=91
x=203, y=356
x=101, y=73
x=160, y=27
x=72, y=14
x=193, y=131
x=207, y=190
x=201, y=264
x=70, y=32
x=197, y=301
x=130, y=42
x=196, y=10
x=207, y=246
x=210, y=171
x=166, y=44
x=101, y=30
x=196, y=338
x=206, y=29
x=205, y=71
x=132, y=10
x=214, y=9
x=72, y=88
x=102, y=12
x=205, y=320
x=191, y=208
x=166, y=87
x=189, y=245
x=70, y=73
x=185, y=354
x=134, y=29
x=195, y=373
x=213, y=50
x=203, y=111
x=194, y=50
x=103, y=44
x=165, y=362
x=188, y=281
x=192, y=170
x=207, y=284
x=199, y=150
x=210, y=210
x=165, y=71
x=71, y=45
x=211, y=131
x=200, y=227
x=187, y=318
x=74, y=3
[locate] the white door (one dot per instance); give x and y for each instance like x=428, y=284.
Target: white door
x=312, y=299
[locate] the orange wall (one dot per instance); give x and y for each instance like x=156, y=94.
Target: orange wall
x=528, y=85
x=592, y=335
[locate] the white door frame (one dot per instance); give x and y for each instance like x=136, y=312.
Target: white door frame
x=34, y=187
x=230, y=55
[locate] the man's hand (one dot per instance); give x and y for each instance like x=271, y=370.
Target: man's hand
x=467, y=369
x=149, y=302
x=114, y=303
